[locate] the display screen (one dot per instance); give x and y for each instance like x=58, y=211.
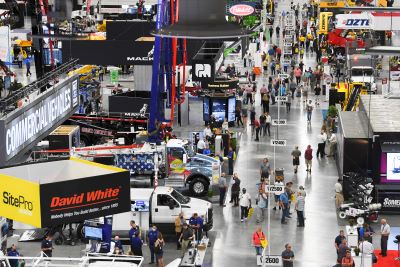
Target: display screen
x=206, y=109
x=218, y=109
x=93, y=233
x=393, y=167
x=140, y=205
x=231, y=109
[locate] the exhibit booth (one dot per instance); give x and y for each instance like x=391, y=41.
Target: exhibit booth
x=369, y=144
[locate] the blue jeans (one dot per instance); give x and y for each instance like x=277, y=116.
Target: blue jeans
x=259, y=250
x=285, y=212
x=309, y=116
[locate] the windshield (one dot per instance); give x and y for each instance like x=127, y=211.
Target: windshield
x=179, y=197
x=189, y=150
x=362, y=72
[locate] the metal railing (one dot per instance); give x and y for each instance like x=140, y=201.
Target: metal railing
x=15, y=96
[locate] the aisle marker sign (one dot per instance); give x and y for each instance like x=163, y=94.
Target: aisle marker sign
x=279, y=122
x=276, y=142
x=275, y=188
x=269, y=260
x=281, y=98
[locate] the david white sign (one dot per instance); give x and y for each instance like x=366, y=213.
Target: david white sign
x=353, y=21
x=269, y=260
x=275, y=142
x=26, y=126
x=279, y=122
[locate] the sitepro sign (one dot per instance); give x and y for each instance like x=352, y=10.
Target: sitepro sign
x=353, y=21
x=23, y=128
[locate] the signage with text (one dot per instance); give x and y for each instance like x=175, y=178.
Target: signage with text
x=353, y=21
x=279, y=122
x=269, y=260
x=275, y=188
x=281, y=98
x=203, y=70
x=30, y=124
x=228, y=84
x=323, y=22
x=241, y=10
x=277, y=142
x=390, y=200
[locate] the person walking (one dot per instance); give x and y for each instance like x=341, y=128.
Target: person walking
x=151, y=240
x=101, y=74
x=308, y=158
x=347, y=260
x=309, y=108
x=186, y=238
x=257, y=127
x=222, y=185
x=287, y=256
x=342, y=250
x=265, y=168
x=28, y=67
x=332, y=145
x=245, y=205
x=136, y=245
x=235, y=190
x=296, y=153
x=244, y=115
x=179, y=221
x=265, y=102
x=284, y=204
x=258, y=240
x=288, y=101
x=268, y=122
x=238, y=116
x=338, y=240
x=321, y=144
x=277, y=29
x=159, y=250
x=277, y=193
x=132, y=233
x=263, y=123
x=297, y=73
x=385, y=232
x=262, y=203
x=20, y=59
x=299, y=207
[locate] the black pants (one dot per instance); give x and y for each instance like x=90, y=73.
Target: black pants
x=384, y=240
x=222, y=192
x=300, y=217
x=28, y=72
x=320, y=150
x=244, y=212
x=239, y=120
x=230, y=166
x=249, y=98
x=265, y=105
x=267, y=128
x=20, y=64
x=288, y=106
x=257, y=133
x=298, y=80
x=178, y=244
x=235, y=198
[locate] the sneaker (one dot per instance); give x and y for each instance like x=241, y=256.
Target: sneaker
x=274, y=208
x=284, y=222
x=241, y=220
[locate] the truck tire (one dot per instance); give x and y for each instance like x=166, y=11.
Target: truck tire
x=198, y=187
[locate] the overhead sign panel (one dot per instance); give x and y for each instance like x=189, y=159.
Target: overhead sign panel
x=353, y=21
x=23, y=128
x=241, y=10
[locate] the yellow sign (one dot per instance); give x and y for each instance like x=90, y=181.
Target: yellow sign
x=323, y=22
x=20, y=200
x=331, y=4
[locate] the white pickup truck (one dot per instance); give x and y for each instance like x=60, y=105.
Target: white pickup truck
x=160, y=206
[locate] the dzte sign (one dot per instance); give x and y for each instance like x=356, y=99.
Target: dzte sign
x=241, y=10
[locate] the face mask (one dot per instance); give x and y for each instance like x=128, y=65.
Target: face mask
x=154, y=229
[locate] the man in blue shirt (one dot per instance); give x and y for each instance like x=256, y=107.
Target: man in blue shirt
x=118, y=244
x=151, y=239
x=196, y=223
x=284, y=203
x=132, y=232
x=13, y=253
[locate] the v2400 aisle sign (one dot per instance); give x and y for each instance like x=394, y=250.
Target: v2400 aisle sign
x=241, y=10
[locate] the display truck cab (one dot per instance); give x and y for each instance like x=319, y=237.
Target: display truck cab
x=160, y=206
x=364, y=74
x=196, y=170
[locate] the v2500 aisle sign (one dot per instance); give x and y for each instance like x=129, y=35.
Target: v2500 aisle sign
x=24, y=128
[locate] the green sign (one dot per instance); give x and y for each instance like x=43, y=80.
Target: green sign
x=114, y=76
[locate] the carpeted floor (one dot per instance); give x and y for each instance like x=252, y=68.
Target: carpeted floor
x=387, y=261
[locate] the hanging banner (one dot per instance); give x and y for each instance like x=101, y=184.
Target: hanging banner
x=324, y=21
x=353, y=21
x=241, y=10
x=5, y=44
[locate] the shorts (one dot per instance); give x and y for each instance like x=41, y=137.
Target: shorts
x=277, y=198
x=296, y=161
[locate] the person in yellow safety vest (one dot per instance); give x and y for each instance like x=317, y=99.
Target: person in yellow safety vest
x=310, y=36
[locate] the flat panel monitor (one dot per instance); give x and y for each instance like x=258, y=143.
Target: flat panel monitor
x=219, y=109
x=140, y=205
x=206, y=108
x=393, y=167
x=231, y=109
x=93, y=233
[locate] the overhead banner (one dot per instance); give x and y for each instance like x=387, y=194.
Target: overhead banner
x=324, y=21
x=24, y=127
x=66, y=191
x=353, y=21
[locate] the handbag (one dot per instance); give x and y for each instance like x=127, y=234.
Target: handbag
x=250, y=212
x=263, y=241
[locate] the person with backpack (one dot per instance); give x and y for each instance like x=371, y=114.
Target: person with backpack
x=308, y=158
x=235, y=190
x=296, y=153
x=186, y=238
x=159, y=250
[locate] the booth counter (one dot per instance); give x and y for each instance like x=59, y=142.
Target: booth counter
x=63, y=191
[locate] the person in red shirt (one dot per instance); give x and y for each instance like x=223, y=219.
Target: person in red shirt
x=257, y=128
x=278, y=52
x=308, y=157
x=258, y=235
x=348, y=260
x=298, y=73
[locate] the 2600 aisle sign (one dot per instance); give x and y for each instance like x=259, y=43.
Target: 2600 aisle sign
x=269, y=260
